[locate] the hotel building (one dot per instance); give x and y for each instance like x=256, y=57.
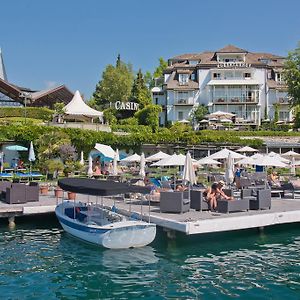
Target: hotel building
x=231, y=79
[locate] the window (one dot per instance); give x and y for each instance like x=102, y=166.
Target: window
x=180, y=115
x=247, y=75
x=278, y=77
x=156, y=100
x=217, y=75
x=183, y=78
x=193, y=76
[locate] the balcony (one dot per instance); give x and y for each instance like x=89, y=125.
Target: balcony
x=283, y=100
x=189, y=101
x=234, y=100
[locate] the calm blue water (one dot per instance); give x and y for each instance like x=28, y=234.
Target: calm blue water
x=40, y=261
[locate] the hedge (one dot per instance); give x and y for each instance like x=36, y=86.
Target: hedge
x=31, y=112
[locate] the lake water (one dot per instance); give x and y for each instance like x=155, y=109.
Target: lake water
x=40, y=261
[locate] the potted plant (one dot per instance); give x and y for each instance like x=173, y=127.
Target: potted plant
x=58, y=192
x=44, y=189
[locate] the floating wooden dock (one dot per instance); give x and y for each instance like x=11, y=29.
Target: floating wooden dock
x=283, y=211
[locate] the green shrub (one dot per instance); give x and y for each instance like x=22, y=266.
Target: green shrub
x=31, y=112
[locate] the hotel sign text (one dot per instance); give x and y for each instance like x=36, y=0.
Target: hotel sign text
x=234, y=64
x=119, y=105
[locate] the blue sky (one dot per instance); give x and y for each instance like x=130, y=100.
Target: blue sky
x=47, y=43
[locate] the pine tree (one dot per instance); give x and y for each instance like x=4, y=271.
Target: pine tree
x=140, y=93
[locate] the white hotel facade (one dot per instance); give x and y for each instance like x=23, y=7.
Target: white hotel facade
x=231, y=79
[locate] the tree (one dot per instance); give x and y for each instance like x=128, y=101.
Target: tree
x=115, y=84
x=199, y=113
x=140, y=93
x=160, y=69
x=149, y=116
x=291, y=74
x=276, y=113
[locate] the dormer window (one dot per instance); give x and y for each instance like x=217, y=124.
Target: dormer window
x=183, y=78
x=278, y=77
x=247, y=75
x=216, y=75
x=193, y=62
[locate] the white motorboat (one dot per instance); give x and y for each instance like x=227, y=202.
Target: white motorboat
x=99, y=225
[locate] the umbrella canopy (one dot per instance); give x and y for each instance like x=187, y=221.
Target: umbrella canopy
x=188, y=170
x=173, y=160
x=225, y=120
x=81, y=158
x=278, y=156
x=220, y=114
x=247, y=149
x=246, y=161
x=208, y=161
x=223, y=154
x=293, y=167
x=142, y=172
x=115, y=163
x=90, y=169
x=229, y=174
x=132, y=158
x=31, y=156
x=157, y=156
x=291, y=154
x=16, y=148
x=269, y=161
x=105, y=150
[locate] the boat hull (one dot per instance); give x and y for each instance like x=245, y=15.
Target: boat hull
x=129, y=234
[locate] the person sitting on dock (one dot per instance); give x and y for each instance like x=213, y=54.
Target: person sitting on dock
x=214, y=193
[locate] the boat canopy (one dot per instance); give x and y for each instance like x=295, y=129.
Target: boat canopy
x=97, y=187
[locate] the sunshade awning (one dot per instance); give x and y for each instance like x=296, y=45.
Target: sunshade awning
x=96, y=187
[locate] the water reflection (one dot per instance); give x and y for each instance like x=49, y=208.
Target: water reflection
x=243, y=264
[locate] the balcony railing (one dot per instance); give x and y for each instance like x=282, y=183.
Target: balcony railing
x=234, y=100
x=184, y=102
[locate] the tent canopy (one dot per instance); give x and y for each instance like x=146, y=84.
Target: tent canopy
x=105, y=150
x=77, y=107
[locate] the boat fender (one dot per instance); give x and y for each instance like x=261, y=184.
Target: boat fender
x=114, y=209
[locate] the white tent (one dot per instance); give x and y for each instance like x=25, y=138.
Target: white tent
x=157, y=156
x=78, y=109
x=105, y=150
x=223, y=154
x=132, y=158
x=188, y=170
x=208, y=161
x=247, y=149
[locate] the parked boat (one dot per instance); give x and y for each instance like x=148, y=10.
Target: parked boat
x=99, y=225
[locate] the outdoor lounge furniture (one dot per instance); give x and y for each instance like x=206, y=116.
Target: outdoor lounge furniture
x=197, y=200
x=174, y=202
x=15, y=194
x=258, y=199
x=20, y=193
x=262, y=200
x=227, y=206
